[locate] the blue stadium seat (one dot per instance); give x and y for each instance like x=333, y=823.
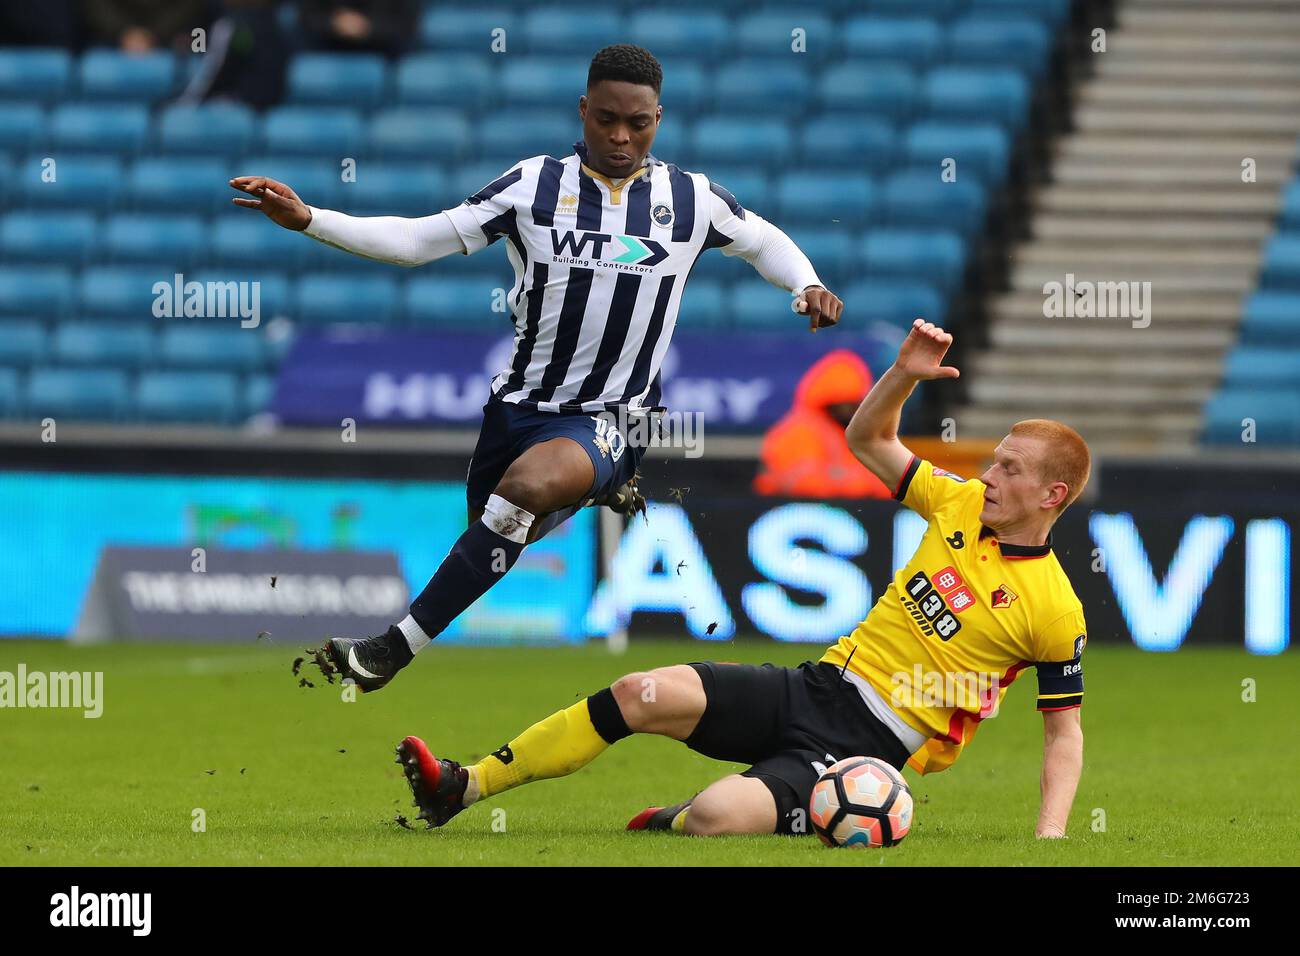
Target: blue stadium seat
x=896, y=302
x=883, y=89
x=151, y=238
x=687, y=89
x=917, y=8
x=1290, y=220
x=463, y=80
x=450, y=301
x=52, y=237
x=312, y=130
x=728, y=139
x=845, y=199
x=217, y=129
x=999, y=41
x=21, y=125
x=114, y=75
x=671, y=143
x=36, y=74
x=1276, y=416
x=188, y=184
x=263, y=288
x=108, y=344
x=848, y=140
x=917, y=41
x=122, y=291
x=1281, y=264
x=199, y=347
x=45, y=292
x=757, y=304
x=259, y=391
x=933, y=256
x=99, y=127
x=318, y=182
x=99, y=394
x=1261, y=367
x=562, y=29
x=189, y=397
x=543, y=81
x=705, y=305
x=429, y=135
x=23, y=342
x=1049, y=11
x=1271, y=318
x=464, y=181
x=395, y=189
x=324, y=297
x=246, y=238
x=833, y=252
x=968, y=93
x=770, y=33
x=914, y=198
x=750, y=186
x=357, y=80
x=699, y=34
x=450, y=28
x=979, y=148
x=763, y=87
x=10, y=393
x=511, y=135
x=79, y=182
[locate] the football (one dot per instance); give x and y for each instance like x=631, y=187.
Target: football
x=861, y=802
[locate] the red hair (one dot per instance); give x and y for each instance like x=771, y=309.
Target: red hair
x=1066, y=457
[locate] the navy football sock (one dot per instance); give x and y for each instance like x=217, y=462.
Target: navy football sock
x=481, y=557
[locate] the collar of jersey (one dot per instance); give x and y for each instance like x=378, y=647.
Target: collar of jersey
x=580, y=147
x=1018, y=550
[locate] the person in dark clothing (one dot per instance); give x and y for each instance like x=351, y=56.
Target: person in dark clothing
x=369, y=26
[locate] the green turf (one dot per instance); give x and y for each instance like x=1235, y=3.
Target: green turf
x=1185, y=771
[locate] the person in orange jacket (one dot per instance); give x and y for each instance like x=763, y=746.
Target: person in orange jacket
x=805, y=454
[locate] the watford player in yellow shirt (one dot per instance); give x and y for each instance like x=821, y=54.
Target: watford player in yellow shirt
x=982, y=599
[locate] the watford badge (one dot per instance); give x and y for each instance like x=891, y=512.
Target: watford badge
x=1003, y=596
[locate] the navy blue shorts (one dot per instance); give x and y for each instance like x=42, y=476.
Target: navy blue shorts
x=509, y=430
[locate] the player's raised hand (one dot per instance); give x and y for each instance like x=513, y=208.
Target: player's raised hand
x=280, y=203
x=923, y=350
x=822, y=307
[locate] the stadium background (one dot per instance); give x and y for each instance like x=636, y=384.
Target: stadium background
x=1162, y=149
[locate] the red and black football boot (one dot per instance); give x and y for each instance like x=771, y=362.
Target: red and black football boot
x=657, y=818
x=437, y=785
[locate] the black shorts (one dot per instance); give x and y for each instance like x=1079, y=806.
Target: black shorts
x=790, y=723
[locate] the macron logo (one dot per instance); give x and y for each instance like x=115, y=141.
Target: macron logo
x=103, y=909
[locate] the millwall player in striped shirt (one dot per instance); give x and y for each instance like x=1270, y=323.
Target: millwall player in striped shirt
x=601, y=244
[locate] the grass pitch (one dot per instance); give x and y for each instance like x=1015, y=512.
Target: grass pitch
x=1179, y=768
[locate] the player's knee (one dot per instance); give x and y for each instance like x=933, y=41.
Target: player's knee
x=710, y=815
x=629, y=694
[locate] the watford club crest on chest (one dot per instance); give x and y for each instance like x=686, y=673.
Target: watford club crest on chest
x=1003, y=596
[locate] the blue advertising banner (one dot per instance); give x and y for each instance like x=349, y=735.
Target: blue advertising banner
x=737, y=383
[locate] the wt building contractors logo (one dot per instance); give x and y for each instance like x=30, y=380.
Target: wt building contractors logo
x=103, y=909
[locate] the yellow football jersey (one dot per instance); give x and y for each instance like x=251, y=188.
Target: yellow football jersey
x=962, y=619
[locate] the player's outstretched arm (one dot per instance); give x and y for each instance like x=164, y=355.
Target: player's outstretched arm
x=1062, y=766
x=275, y=200
x=873, y=433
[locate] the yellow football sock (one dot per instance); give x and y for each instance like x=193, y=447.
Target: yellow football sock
x=562, y=743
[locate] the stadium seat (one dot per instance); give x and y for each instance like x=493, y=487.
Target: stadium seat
x=99, y=127
x=264, y=289
x=917, y=41
x=462, y=80
x=932, y=256
x=108, y=344
x=312, y=130
x=323, y=297
x=968, y=93
x=1290, y=220
x=839, y=140
x=919, y=8
x=999, y=41
x=425, y=134
x=23, y=342
x=770, y=33
x=259, y=391
x=199, y=347
x=750, y=186
x=62, y=238
x=730, y=140
x=565, y=30
x=45, y=292
x=394, y=189
x=705, y=305
x=122, y=291
x=10, y=393
x=1261, y=367
x=217, y=129
x=541, y=81
x=844, y=199
x=35, y=75
x=511, y=135
x=883, y=90
x=167, y=396
x=757, y=304
x=318, y=182
x=894, y=301
x=183, y=184
x=452, y=302
x=114, y=75
x=464, y=181
x=22, y=125
x=152, y=238
x=357, y=80
x=1271, y=318
x=687, y=90
x=833, y=252
x=1276, y=417
x=701, y=34
x=452, y=28
x=979, y=148
x=89, y=183
x=1281, y=264
x=1049, y=11
x=99, y=394
x=921, y=199
x=762, y=87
